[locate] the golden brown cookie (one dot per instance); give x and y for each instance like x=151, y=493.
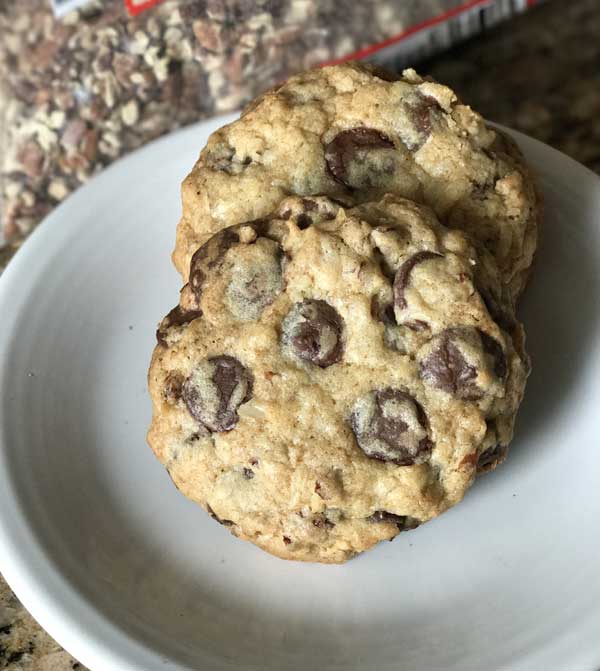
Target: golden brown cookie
x=333, y=376
x=348, y=133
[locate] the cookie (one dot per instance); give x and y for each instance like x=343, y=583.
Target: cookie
x=352, y=134
x=333, y=376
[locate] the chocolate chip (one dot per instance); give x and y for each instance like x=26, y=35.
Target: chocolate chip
x=209, y=257
x=354, y=158
x=211, y=512
x=256, y=280
x=490, y=458
x=287, y=540
x=494, y=306
x=309, y=205
x=454, y=358
x=248, y=473
x=390, y=425
x=384, y=74
x=303, y=221
x=494, y=349
x=312, y=331
x=446, y=368
x=215, y=390
x=402, y=278
x=177, y=317
x=254, y=461
x=403, y=522
x=421, y=112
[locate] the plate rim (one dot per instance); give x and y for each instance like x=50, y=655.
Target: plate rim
x=55, y=603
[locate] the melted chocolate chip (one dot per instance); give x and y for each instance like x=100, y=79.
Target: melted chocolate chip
x=402, y=278
x=494, y=307
x=353, y=147
x=248, y=473
x=211, y=512
x=287, y=540
x=421, y=111
x=390, y=425
x=494, y=349
x=215, y=390
x=312, y=331
x=209, y=257
x=256, y=281
x=177, y=317
x=490, y=458
x=454, y=359
x=403, y=522
x=303, y=221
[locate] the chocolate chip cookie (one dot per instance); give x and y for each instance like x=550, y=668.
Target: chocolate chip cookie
x=334, y=375
x=353, y=134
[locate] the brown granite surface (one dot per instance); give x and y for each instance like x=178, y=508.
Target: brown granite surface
x=539, y=74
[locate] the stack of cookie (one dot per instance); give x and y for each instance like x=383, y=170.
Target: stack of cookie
x=345, y=356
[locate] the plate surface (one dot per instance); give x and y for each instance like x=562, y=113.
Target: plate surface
x=128, y=575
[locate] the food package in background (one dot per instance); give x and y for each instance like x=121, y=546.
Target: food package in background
x=84, y=82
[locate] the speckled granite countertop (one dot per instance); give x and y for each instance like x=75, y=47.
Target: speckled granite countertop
x=539, y=74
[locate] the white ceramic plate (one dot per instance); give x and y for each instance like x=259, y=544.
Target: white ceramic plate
x=128, y=575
